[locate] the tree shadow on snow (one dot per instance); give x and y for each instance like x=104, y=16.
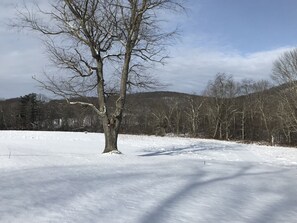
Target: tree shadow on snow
x=192, y=149
x=106, y=192
x=54, y=189
x=229, y=207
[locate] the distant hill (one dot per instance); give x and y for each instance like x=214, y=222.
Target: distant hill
x=253, y=117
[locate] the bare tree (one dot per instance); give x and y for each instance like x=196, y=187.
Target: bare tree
x=245, y=89
x=2, y=118
x=264, y=108
x=285, y=74
x=193, y=112
x=103, y=47
x=285, y=68
x=221, y=106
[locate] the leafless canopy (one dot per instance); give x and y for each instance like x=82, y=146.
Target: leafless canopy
x=285, y=73
x=285, y=68
x=80, y=35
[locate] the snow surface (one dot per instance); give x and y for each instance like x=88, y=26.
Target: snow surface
x=63, y=177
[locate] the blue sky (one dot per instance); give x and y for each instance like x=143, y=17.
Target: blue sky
x=238, y=37
x=245, y=25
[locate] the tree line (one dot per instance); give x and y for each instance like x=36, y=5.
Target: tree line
x=250, y=111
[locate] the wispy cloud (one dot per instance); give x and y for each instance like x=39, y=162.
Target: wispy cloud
x=21, y=55
x=190, y=69
x=17, y=69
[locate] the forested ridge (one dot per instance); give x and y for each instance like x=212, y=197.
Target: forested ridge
x=247, y=111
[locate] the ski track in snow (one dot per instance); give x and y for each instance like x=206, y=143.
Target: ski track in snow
x=62, y=177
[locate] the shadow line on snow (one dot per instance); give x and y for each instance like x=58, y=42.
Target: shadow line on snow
x=54, y=188
x=159, y=213
x=195, y=148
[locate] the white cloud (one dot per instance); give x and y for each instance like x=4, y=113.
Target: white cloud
x=17, y=68
x=21, y=54
x=190, y=69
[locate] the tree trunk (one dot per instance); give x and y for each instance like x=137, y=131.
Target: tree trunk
x=216, y=130
x=243, y=126
x=193, y=127
x=111, y=132
x=227, y=131
x=220, y=131
x=272, y=141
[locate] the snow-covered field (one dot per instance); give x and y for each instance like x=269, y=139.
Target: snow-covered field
x=63, y=177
